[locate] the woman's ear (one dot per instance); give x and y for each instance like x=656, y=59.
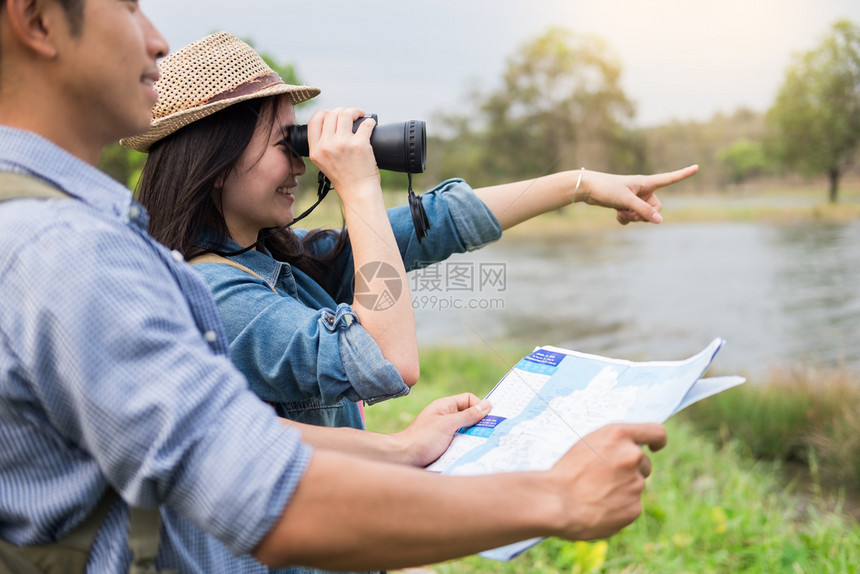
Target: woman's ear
x=217, y=192
x=36, y=24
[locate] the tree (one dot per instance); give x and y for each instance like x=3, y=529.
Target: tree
x=560, y=106
x=742, y=159
x=286, y=71
x=122, y=164
x=815, y=120
x=686, y=142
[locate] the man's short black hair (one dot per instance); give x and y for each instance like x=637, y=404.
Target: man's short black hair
x=74, y=10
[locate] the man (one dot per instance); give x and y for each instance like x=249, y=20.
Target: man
x=114, y=371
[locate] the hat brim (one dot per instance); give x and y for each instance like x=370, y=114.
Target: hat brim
x=163, y=127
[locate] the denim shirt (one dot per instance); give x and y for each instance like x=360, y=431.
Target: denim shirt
x=114, y=372
x=306, y=351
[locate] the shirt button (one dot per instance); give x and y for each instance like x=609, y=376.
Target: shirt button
x=210, y=336
x=133, y=212
x=330, y=320
x=177, y=256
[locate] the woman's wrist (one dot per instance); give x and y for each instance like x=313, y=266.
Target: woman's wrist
x=578, y=193
x=366, y=189
x=364, y=199
x=397, y=448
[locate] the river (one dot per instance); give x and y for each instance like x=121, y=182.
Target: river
x=781, y=294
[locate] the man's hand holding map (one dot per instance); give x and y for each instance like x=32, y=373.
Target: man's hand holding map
x=554, y=397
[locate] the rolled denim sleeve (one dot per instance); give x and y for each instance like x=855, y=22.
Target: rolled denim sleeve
x=371, y=376
x=473, y=220
x=291, y=352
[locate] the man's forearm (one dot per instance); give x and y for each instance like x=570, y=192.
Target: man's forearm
x=362, y=515
x=390, y=516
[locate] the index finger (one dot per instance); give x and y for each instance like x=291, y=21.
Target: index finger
x=670, y=177
x=346, y=117
x=465, y=400
x=652, y=434
x=316, y=122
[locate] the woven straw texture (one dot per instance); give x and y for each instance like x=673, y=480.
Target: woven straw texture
x=207, y=76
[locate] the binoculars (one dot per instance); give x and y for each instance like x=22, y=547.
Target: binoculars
x=397, y=147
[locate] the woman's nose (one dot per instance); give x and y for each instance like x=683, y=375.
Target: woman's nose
x=298, y=165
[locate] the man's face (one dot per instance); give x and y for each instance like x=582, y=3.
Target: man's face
x=108, y=68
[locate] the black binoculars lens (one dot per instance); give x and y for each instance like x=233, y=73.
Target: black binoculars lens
x=397, y=147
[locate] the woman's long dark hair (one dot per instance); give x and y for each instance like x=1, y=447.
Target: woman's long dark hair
x=180, y=180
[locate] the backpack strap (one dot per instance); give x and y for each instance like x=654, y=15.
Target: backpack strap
x=144, y=534
x=215, y=258
x=70, y=554
x=21, y=186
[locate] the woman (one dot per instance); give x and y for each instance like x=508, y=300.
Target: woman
x=224, y=181
x=219, y=179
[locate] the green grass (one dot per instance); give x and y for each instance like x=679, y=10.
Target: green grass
x=710, y=505
x=807, y=416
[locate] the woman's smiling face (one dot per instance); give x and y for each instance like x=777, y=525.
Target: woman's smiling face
x=258, y=192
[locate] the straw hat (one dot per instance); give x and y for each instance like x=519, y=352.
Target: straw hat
x=207, y=76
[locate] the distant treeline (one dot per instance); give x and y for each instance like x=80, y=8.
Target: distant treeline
x=729, y=149
x=560, y=106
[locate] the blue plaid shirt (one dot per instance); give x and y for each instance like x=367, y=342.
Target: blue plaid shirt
x=114, y=371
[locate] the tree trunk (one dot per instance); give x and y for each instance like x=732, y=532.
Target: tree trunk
x=833, y=178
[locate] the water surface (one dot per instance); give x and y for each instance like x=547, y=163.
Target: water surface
x=780, y=294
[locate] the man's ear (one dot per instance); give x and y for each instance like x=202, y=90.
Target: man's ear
x=35, y=24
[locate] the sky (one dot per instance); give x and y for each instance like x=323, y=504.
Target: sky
x=682, y=59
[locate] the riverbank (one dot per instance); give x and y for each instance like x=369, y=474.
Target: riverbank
x=770, y=205
x=710, y=506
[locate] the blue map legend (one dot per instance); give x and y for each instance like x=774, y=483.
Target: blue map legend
x=484, y=427
x=541, y=362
